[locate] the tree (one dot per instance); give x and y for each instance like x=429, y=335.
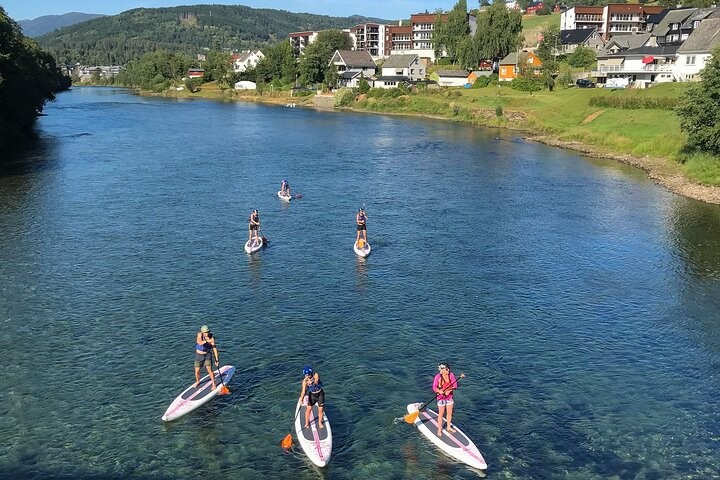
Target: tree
x=498, y=31
x=454, y=31
x=550, y=44
x=218, y=66
x=699, y=109
x=363, y=85
x=438, y=34
x=279, y=62
x=335, y=40
x=468, y=55
x=314, y=66
x=582, y=57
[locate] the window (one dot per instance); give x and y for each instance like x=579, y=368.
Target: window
x=503, y=71
x=690, y=60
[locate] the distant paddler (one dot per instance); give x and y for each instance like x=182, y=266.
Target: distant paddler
x=254, y=226
x=312, y=384
x=361, y=220
x=285, y=188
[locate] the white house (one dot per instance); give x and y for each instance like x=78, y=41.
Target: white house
x=351, y=66
x=450, y=78
x=400, y=69
x=246, y=59
x=694, y=52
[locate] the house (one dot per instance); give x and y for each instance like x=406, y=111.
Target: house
x=450, y=78
x=612, y=19
x=508, y=68
x=246, y=59
x=400, y=69
x=571, y=39
x=668, y=31
x=398, y=38
x=195, y=73
x=300, y=40
x=640, y=66
x=351, y=66
x=582, y=17
x=534, y=7
x=694, y=53
x=619, y=43
x=370, y=37
x=475, y=74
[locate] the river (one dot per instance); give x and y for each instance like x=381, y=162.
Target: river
x=581, y=300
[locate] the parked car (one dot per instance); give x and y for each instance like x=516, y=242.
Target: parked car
x=584, y=83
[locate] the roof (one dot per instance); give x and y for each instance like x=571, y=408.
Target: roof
x=661, y=51
x=357, y=59
x=672, y=16
x=575, y=37
x=399, y=61
x=588, y=9
x=512, y=58
x=700, y=14
x=452, y=73
x=704, y=38
x=625, y=42
x=349, y=75
x=656, y=18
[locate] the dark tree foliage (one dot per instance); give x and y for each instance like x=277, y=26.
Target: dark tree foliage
x=156, y=71
x=29, y=77
x=117, y=39
x=699, y=110
x=550, y=44
x=449, y=36
x=279, y=63
x=314, y=64
x=498, y=31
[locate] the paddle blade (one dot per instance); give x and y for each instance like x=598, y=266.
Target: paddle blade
x=287, y=441
x=265, y=240
x=298, y=195
x=411, y=417
x=224, y=390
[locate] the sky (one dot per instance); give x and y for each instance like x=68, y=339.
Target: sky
x=386, y=9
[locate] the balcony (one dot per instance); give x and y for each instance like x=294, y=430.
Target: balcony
x=660, y=67
x=626, y=19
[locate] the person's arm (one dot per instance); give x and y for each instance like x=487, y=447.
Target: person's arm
x=453, y=384
x=436, y=384
x=302, y=392
x=215, y=351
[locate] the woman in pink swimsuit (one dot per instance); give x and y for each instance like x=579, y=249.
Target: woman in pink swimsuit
x=444, y=385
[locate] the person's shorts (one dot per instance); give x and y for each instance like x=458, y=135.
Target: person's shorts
x=444, y=403
x=318, y=398
x=203, y=360
x=253, y=227
x=362, y=227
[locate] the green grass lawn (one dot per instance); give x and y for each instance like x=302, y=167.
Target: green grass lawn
x=533, y=25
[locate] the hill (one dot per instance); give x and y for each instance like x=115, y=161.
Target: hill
x=114, y=40
x=48, y=23
x=533, y=25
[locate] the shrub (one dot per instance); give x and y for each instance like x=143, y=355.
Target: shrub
x=634, y=103
x=344, y=97
x=498, y=111
x=363, y=85
x=526, y=84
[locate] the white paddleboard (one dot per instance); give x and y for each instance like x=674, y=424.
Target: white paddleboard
x=283, y=197
x=252, y=246
x=193, y=397
x=456, y=444
x=363, y=252
x=315, y=442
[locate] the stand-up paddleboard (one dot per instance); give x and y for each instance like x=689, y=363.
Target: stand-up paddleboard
x=252, y=245
x=455, y=444
x=315, y=442
x=286, y=197
x=363, y=252
x=193, y=397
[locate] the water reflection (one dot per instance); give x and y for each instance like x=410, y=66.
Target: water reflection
x=694, y=230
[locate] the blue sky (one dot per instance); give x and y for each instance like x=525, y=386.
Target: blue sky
x=389, y=9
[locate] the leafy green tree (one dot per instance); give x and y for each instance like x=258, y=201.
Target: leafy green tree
x=582, y=57
x=314, y=66
x=335, y=40
x=699, y=109
x=439, y=35
x=218, y=66
x=29, y=77
x=279, y=62
x=550, y=44
x=363, y=85
x=155, y=71
x=468, y=54
x=449, y=36
x=498, y=31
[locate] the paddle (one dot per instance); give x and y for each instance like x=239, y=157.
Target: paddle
x=262, y=237
x=411, y=417
x=287, y=441
x=223, y=390
x=298, y=195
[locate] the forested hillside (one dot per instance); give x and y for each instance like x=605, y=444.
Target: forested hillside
x=29, y=77
x=117, y=39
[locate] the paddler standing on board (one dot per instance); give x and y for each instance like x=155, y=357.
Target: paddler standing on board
x=361, y=220
x=254, y=225
x=205, y=353
x=444, y=385
x=312, y=384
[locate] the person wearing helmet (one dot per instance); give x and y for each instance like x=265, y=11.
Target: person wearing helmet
x=205, y=353
x=285, y=188
x=314, y=387
x=254, y=225
x=361, y=220
x=444, y=385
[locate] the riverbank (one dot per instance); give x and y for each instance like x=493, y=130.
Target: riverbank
x=649, y=139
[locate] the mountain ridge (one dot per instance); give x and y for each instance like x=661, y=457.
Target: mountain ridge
x=116, y=39
x=39, y=26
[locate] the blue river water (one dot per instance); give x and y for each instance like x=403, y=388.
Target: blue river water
x=581, y=300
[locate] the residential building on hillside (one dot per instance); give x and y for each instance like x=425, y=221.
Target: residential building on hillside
x=582, y=17
x=423, y=25
x=370, y=37
x=571, y=39
x=400, y=69
x=398, y=38
x=612, y=19
x=695, y=51
x=352, y=65
x=668, y=31
x=246, y=59
x=300, y=40
x=641, y=66
x=509, y=67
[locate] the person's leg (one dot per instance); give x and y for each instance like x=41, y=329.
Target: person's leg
x=449, y=418
x=357, y=237
x=208, y=364
x=197, y=374
x=250, y=232
x=321, y=404
x=441, y=411
x=307, y=414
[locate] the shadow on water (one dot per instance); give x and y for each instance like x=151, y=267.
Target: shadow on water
x=34, y=156
x=693, y=224
x=26, y=472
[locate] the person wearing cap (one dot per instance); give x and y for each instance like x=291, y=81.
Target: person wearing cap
x=254, y=225
x=361, y=220
x=444, y=385
x=312, y=384
x=205, y=353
